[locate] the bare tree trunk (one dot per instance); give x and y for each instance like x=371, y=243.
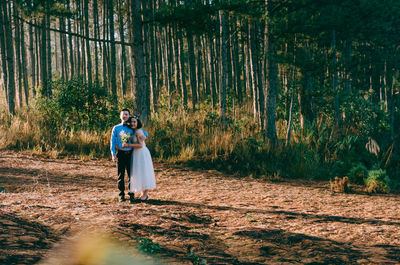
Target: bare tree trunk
x=211, y=59
x=3, y=51
x=71, y=51
x=32, y=58
x=182, y=70
x=49, y=68
x=192, y=69
x=271, y=84
x=96, y=36
x=112, y=51
x=18, y=55
x=253, y=70
x=88, y=54
x=141, y=79
x=153, y=69
x=24, y=65
x=335, y=80
x=43, y=59
x=224, y=60
x=38, y=57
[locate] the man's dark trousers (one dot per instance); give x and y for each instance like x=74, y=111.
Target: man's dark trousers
x=124, y=163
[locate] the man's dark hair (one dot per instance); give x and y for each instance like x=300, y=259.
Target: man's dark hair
x=125, y=109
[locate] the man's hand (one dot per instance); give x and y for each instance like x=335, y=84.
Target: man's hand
x=114, y=158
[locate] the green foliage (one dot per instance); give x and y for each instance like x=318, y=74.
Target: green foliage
x=147, y=245
x=195, y=259
x=377, y=181
x=82, y=107
x=358, y=174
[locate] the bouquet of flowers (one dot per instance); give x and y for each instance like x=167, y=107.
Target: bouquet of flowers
x=125, y=137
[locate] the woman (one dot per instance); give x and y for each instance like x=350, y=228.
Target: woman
x=142, y=171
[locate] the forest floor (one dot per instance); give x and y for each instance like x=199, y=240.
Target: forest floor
x=65, y=211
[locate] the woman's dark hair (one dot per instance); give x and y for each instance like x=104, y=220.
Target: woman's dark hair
x=139, y=122
x=125, y=109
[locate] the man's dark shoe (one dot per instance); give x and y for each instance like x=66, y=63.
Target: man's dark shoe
x=131, y=198
x=122, y=198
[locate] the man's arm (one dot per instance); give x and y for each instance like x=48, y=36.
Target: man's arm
x=113, y=143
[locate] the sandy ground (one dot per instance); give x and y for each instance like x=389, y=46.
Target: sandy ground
x=51, y=206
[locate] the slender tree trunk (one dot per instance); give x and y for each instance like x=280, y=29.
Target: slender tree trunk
x=88, y=53
x=32, y=58
x=182, y=71
x=71, y=51
x=271, y=84
x=141, y=79
x=43, y=59
x=112, y=51
x=38, y=57
x=211, y=60
x=3, y=50
x=96, y=36
x=335, y=80
x=18, y=54
x=253, y=70
x=24, y=65
x=224, y=60
x=153, y=68
x=192, y=69
x=48, y=56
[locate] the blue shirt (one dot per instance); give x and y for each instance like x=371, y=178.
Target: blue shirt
x=120, y=134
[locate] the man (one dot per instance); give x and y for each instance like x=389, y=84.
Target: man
x=122, y=155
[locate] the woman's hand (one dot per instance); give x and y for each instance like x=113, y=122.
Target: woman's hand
x=125, y=145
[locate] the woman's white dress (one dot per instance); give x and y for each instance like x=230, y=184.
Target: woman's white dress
x=142, y=170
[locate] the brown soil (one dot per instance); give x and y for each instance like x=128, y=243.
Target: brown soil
x=50, y=204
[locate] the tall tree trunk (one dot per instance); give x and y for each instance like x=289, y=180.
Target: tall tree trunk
x=88, y=54
x=335, y=80
x=43, y=59
x=224, y=60
x=49, y=68
x=71, y=51
x=32, y=58
x=192, y=68
x=253, y=70
x=18, y=54
x=211, y=59
x=153, y=69
x=3, y=51
x=96, y=36
x=141, y=79
x=271, y=84
x=10, y=58
x=182, y=70
x=24, y=65
x=112, y=51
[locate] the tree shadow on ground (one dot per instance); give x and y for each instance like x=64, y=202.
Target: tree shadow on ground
x=15, y=179
x=289, y=215
x=23, y=241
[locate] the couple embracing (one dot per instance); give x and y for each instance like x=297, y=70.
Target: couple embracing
x=128, y=149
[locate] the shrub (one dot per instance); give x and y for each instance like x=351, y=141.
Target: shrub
x=377, y=181
x=357, y=174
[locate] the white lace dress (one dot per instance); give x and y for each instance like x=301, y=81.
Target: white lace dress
x=142, y=170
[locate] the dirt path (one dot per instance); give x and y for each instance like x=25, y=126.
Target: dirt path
x=48, y=204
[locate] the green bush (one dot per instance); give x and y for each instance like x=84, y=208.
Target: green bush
x=377, y=181
x=358, y=174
